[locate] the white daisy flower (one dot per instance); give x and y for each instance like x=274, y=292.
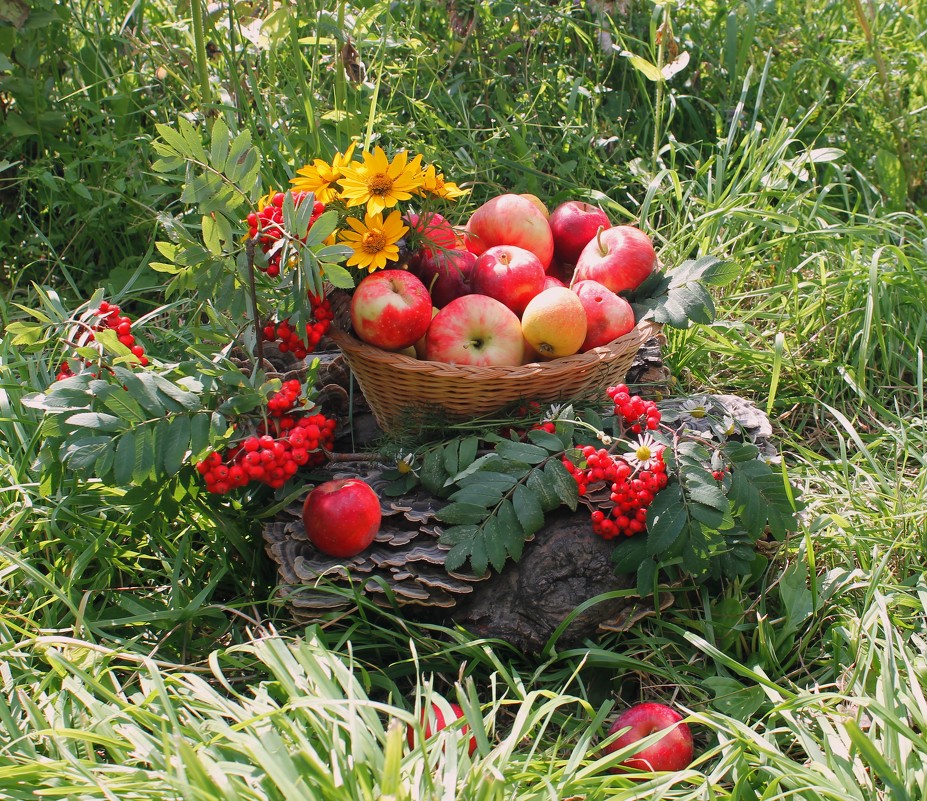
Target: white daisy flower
x=695, y=408
x=644, y=453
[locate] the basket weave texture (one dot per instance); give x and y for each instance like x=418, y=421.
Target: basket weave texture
x=397, y=386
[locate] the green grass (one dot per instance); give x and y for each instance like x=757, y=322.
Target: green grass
x=144, y=653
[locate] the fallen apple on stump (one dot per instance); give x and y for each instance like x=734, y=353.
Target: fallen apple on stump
x=673, y=751
x=342, y=516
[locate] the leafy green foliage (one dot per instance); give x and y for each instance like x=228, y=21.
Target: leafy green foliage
x=680, y=297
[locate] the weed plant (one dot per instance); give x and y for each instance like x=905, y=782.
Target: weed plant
x=144, y=652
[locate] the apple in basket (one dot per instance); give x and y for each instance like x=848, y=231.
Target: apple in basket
x=431, y=233
x=608, y=316
x=446, y=273
x=620, y=257
x=554, y=323
x=508, y=273
x=510, y=219
x=390, y=309
x=573, y=225
x=475, y=330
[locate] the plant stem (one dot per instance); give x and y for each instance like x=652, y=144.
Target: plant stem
x=199, y=42
x=255, y=318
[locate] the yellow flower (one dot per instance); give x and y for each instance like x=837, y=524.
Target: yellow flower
x=320, y=176
x=434, y=184
x=374, y=240
x=379, y=183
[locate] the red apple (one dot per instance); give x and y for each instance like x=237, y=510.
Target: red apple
x=673, y=751
x=434, y=721
x=573, y=224
x=511, y=220
x=342, y=516
x=446, y=273
x=551, y=280
x=430, y=233
x=475, y=330
x=390, y=309
x=537, y=202
x=620, y=257
x=419, y=345
x=554, y=323
x=608, y=316
x=509, y=274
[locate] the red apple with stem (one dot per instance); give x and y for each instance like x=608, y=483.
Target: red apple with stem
x=554, y=323
x=620, y=257
x=573, y=224
x=342, y=516
x=430, y=232
x=390, y=309
x=446, y=273
x=475, y=330
x=608, y=316
x=510, y=219
x=434, y=720
x=673, y=751
x=508, y=273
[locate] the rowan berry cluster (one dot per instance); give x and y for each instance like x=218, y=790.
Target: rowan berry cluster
x=632, y=479
x=279, y=446
x=288, y=337
x=107, y=316
x=636, y=413
x=266, y=225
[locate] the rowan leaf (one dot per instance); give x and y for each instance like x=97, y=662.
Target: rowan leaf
x=544, y=490
x=462, y=513
x=527, y=509
x=521, y=452
x=666, y=519
x=494, y=536
x=562, y=483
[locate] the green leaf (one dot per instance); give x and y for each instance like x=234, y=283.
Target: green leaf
x=82, y=454
x=650, y=71
x=494, y=537
x=124, y=464
x=141, y=387
x=521, y=452
x=322, y=228
x=666, y=519
x=479, y=558
x=720, y=273
x=433, y=474
x=482, y=494
x=95, y=421
x=483, y=462
x=550, y=442
x=702, y=488
x=25, y=334
x=450, y=454
x=457, y=556
x=188, y=400
x=562, y=483
x=708, y=515
x=646, y=576
x=545, y=492
x=241, y=157
x=175, y=442
x=122, y=403
x=459, y=534
x=528, y=509
x=468, y=449
x=338, y=276
x=629, y=554
x=174, y=139
x=144, y=455
x=462, y=513
x=219, y=147
x=503, y=481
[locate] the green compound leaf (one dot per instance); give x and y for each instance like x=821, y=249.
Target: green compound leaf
x=666, y=520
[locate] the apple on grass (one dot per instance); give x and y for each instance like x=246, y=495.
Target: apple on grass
x=508, y=273
x=475, y=330
x=435, y=720
x=390, y=309
x=573, y=224
x=510, y=219
x=620, y=257
x=554, y=323
x=673, y=751
x=608, y=316
x=342, y=516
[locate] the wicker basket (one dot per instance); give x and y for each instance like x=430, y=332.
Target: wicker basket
x=397, y=386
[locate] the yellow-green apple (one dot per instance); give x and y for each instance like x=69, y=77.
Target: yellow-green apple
x=554, y=323
x=342, y=516
x=431, y=232
x=608, y=316
x=509, y=274
x=434, y=720
x=573, y=224
x=620, y=257
x=446, y=273
x=673, y=751
x=475, y=330
x=510, y=219
x=390, y=309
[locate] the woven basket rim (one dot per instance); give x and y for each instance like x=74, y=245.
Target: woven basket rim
x=642, y=331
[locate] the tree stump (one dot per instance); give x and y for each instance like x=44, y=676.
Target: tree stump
x=564, y=566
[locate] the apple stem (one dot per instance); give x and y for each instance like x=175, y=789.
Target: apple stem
x=598, y=238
